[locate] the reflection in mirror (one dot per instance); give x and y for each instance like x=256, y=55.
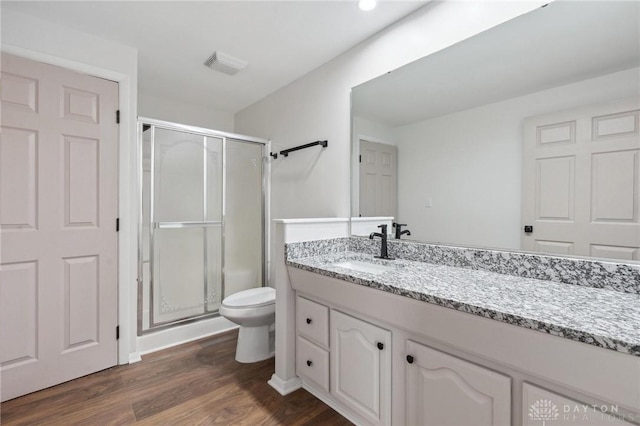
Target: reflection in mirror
x=532, y=123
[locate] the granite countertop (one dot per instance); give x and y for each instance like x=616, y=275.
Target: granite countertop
x=604, y=318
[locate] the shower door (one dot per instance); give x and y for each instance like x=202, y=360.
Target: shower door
x=189, y=180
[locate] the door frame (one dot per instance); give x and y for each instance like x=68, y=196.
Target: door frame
x=127, y=202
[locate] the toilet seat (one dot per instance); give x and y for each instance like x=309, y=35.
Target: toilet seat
x=251, y=298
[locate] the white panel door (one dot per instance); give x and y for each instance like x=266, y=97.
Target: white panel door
x=444, y=390
x=581, y=181
x=361, y=367
x=378, y=179
x=58, y=206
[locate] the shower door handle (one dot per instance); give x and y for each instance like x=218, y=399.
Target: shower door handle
x=169, y=225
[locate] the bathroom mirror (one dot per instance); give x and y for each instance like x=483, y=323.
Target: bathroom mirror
x=534, y=122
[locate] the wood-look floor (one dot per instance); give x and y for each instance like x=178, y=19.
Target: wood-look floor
x=196, y=383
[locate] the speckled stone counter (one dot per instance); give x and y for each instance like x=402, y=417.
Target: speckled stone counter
x=600, y=317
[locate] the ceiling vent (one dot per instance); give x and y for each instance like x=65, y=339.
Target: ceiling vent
x=225, y=63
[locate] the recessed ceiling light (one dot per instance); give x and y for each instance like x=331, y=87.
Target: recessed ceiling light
x=367, y=5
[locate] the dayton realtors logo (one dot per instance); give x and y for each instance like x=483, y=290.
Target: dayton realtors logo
x=543, y=410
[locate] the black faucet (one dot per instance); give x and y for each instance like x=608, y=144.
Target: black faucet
x=383, y=247
x=399, y=231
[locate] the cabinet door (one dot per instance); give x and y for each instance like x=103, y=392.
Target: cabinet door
x=445, y=390
x=361, y=367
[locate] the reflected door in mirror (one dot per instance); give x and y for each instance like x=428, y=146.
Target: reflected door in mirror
x=581, y=181
x=378, y=179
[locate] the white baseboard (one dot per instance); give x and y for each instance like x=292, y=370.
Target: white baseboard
x=182, y=334
x=134, y=357
x=285, y=387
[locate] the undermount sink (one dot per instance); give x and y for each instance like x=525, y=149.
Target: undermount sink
x=360, y=266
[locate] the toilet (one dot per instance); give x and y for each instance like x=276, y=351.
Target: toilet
x=254, y=310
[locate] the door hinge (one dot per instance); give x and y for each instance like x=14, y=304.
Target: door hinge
x=117, y=332
x=359, y=158
x=117, y=224
x=118, y=117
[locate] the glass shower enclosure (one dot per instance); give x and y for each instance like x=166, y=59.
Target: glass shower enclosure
x=202, y=221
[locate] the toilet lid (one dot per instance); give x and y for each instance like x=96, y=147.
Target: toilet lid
x=252, y=297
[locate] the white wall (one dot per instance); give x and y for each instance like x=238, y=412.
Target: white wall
x=372, y=131
x=470, y=163
x=315, y=182
x=47, y=42
x=28, y=32
x=151, y=106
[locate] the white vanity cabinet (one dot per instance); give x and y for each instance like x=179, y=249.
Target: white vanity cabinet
x=444, y=390
x=465, y=369
x=361, y=367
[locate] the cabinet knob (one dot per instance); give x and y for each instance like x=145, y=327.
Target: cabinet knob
x=380, y=345
x=410, y=359
x=308, y=320
x=309, y=363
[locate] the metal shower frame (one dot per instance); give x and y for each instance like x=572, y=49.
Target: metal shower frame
x=205, y=133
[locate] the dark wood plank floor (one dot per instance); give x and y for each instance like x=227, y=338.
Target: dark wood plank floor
x=196, y=383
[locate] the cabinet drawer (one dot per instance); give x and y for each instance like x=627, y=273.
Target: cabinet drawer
x=312, y=321
x=313, y=362
x=539, y=405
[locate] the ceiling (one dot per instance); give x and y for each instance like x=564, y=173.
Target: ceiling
x=564, y=42
x=281, y=40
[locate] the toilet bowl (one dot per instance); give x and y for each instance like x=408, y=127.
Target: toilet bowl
x=254, y=310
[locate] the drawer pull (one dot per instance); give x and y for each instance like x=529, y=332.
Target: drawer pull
x=410, y=359
x=308, y=320
x=309, y=363
x=380, y=345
